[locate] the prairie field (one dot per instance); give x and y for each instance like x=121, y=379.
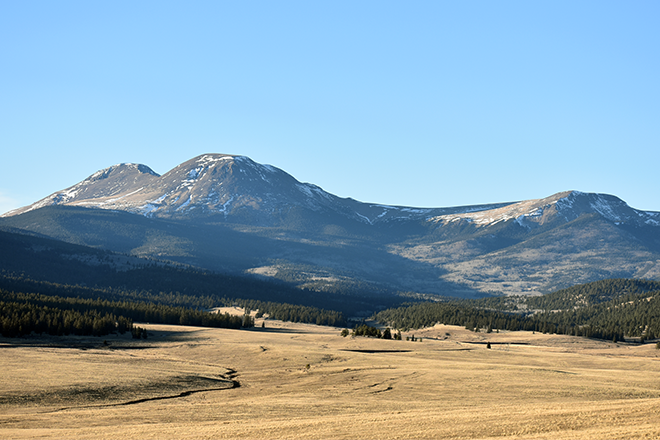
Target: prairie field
x=297, y=381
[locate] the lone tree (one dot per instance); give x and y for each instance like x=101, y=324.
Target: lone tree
x=387, y=334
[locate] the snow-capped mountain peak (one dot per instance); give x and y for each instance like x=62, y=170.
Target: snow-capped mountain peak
x=567, y=205
x=106, y=184
x=207, y=185
x=237, y=189
x=120, y=169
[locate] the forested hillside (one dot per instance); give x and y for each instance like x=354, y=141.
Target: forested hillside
x=33, y=258
x=591, y=294
x=608, y=309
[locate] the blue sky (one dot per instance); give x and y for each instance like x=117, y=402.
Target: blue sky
x=424, y=103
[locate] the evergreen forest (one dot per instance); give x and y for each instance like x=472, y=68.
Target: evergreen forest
x=611, y=309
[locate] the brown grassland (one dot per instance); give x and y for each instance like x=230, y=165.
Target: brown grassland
x=291, y=381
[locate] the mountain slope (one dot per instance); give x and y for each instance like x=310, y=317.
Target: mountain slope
x=323, y=262
x=33, y=264
x=229, y=213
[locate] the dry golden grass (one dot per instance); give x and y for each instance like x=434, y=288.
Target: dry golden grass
x=445, y=387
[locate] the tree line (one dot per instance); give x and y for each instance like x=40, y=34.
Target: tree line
x=414, y=316
x=22, y=313
x=295, y=313
x=158, y=307
x=18, y=319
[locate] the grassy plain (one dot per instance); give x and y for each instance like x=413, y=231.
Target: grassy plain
x=295, y=381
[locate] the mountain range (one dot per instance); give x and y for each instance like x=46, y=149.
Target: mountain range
x=230, y=214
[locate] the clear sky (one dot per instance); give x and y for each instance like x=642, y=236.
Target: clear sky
x=423, y=103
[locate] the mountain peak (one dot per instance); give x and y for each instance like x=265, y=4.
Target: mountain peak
x=608, y=206
x=566, y=205
x=206, y=185
x=119, y=169
x=107, y=183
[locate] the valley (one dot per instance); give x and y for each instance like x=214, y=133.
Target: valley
x=306, y=381
x=127, y=246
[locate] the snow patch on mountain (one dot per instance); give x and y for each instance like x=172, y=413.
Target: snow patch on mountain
x=194, y=174
x=527, y=219
x=148, y=209
x=184, y=204
x=313, y=192
x=480, y=218
x=225, y=206
x=365, y=218
x=650, y=217
x=414, y=210
x=305, y=190
x=64, y=197
x=211, y=159
x=607, y=210
x=522, y=212
x=382, y=214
